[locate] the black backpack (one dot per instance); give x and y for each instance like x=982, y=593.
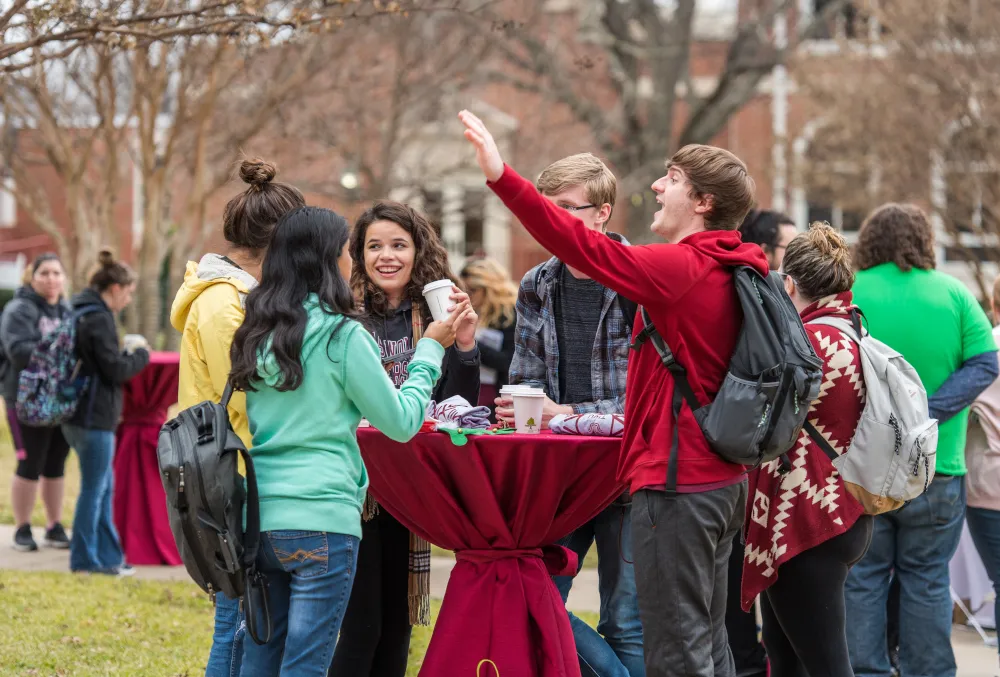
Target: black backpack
x=197, y=452
x=774, y=375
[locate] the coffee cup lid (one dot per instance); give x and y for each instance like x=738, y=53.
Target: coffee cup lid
x=437, y=284
x=533, y=392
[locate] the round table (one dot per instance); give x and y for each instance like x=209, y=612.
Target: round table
x=499, y=502
x=140, y=505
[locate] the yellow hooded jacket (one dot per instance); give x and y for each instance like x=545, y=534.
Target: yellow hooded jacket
x=207, y=311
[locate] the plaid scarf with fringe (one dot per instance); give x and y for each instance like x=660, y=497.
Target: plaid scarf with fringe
x=419, y=580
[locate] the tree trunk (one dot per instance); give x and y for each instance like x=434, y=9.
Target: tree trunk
x=172, y=340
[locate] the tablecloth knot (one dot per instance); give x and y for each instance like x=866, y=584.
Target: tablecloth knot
x=559, y=561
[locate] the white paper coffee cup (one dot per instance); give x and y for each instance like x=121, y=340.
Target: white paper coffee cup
x=528, y=405
x=133, y=342
x=436, y=295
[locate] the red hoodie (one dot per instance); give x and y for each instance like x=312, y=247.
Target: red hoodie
x=688, y=291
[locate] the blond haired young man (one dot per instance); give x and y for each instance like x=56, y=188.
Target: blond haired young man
x=687, y=502
x=558, y=308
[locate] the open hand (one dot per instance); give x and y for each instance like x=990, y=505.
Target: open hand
x=487, y=153
x=465, y=334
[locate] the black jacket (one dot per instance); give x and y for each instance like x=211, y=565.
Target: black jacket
x=26, y=319
x=98, y=348
x=393, y=334
x=500, y=359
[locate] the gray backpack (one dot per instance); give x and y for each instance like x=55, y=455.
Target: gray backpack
x=891, y=458
x=197, y=453
x=774, y=374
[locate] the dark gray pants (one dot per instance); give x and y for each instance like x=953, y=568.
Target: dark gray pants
x=681, y=547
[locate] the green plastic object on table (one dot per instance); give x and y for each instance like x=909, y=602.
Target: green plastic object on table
x=460, y=436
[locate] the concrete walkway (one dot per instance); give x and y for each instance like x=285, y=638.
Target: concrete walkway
x=974, y=658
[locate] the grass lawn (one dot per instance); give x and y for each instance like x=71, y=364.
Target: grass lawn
x=92, y=626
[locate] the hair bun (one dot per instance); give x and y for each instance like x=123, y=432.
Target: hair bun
x=828, y=241
x=106, y=258
x=257, y=172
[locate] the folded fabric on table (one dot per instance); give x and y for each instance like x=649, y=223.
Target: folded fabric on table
x=595, y=425
x=456, y=412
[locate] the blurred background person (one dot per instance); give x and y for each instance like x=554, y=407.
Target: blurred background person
x=493, y=296
x=37, y=308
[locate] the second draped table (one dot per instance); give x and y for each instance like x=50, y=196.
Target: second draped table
x=140, y=505
x=499, y=502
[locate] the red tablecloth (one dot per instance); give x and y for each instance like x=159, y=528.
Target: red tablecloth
x=497, y=501
x=140, y=506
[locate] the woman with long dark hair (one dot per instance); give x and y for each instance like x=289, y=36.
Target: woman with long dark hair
x=38, y=308
x=311, y=372
x=395, y=252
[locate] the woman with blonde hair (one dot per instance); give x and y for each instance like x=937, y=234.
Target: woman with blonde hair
x=494, y=297
x=803, y=530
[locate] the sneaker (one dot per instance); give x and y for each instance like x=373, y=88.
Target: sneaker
x=124, y=571
x=56, y=537
x=23, y=540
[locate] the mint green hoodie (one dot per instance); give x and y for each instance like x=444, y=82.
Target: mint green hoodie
x=310, y=475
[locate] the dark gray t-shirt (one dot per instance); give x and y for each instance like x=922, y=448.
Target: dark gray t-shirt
x=578, y=313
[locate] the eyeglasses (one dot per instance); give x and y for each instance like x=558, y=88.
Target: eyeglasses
x=573, y=208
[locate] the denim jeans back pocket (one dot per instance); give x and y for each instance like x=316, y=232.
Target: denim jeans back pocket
x=945, y=499
x=304, y=553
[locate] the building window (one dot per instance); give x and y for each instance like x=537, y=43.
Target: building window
x=465, y=206
x=850, y=22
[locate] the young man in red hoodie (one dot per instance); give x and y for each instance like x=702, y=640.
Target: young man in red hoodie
x=681, y=536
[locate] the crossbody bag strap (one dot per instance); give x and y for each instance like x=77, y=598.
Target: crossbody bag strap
x=682, y=391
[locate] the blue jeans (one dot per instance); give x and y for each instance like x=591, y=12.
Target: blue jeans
x=309, y=579
x=917, y=541
x=94, y=545
x=227, y=642
x=984, y=525
x=619, y=652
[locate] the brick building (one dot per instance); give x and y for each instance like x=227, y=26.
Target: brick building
x=772, y=133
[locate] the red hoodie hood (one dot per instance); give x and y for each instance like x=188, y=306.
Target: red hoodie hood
x=728, y=248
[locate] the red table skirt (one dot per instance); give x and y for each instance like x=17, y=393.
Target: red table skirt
x=499, y=502
x=140, y=505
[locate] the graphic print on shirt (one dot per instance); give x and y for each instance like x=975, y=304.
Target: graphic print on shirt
x=396, y=356
x=47, y=324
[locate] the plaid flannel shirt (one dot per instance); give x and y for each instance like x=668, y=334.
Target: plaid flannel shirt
x=536, y=346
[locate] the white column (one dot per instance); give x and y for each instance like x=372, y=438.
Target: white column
x=800, y=199
x=939, y=202
x=8, y=203
x=453, y=224
x=496, y=231
x=779, y=118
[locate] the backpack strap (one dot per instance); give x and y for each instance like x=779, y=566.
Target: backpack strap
x=255, y=592
x=682, y=390
x=820, y=441
x=629, y=308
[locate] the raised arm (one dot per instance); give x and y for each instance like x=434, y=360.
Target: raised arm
x=649, y=275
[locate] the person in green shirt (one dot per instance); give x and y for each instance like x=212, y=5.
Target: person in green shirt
x=311, y=371
x=940, y=328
